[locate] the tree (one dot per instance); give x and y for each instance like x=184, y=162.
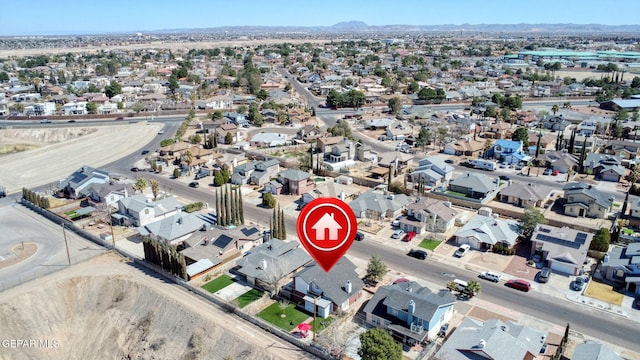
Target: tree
x=488, y=144
x=173, y=85
x=137, y=107
x=394, y=104
x=113, y=89
x=473, y=288
x=228, y=138
x=217, y=115
x=155, y=188
x=19, y=108
x=176, y=173
x=377, y=344
x=601, y=240
x=140, y=185
x=424, y=137
x=554, y=109
x=218, y=179
x=188, y=158
x=92, y=108
x=531, y=218
x=376, y=269
x=521, y=134
x=269, y=201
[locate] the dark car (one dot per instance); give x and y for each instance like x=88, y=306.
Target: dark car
x=578, y=284
x=418, y=254
x=120, y=118
x=145, y=152
x=71, y=121
x=359, y=236
x=544, y=275
x=505, y=177
x=194, y=184
x=135, y=169
x=443, y=330
x=519, y=284
x=449, y=161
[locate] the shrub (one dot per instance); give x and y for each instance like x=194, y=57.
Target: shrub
x=176, y=173
x=196, y=206
x=167, y=142
x=268, y=200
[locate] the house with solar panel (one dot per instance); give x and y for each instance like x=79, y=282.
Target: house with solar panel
x=564, y=249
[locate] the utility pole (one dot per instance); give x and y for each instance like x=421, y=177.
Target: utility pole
x=66, y=243
x=113, y=237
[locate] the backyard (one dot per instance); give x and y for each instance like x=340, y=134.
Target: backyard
x=287, y=318
x=248, y=297
x=603, y=292
x=218, y=283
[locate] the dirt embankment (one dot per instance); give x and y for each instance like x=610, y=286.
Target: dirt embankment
x=14, y=140
x=112, y=317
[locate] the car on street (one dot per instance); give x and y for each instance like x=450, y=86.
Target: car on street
x=503, y=165
x=519, y=167
x=578, y=284
x=449, y=161
x=519, y=284
x=71, y=121
x=397, y=234
x=45, y=121
x=504, y=177
x=547, y=172
x=462, y=250
x=491, y=276
x=135, y=169
x=120, y=118
x=418, y=254
x=160, y=132
x=194, y=184
x=359, y=236
x=409, y=236
x=144, y=152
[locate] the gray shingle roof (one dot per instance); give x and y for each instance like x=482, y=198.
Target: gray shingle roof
x=588, y=190
x=376, y=201
x=593, y=351
x=477, y=182
x=175, y=226
x=489, y=230
x=333, y=282
x=281, y=257
x=294, y=175
x=533, y=192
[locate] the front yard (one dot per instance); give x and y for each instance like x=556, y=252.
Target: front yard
x=603, y=292
x=286, y=319
x=429, y=244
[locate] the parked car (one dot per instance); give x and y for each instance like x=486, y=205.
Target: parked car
x=462, y=250
x=555, y=172
x=443, y=330
x=519, y=284
x=418, y=254
x=491, y=276
x=544, y=275
x=135, y=169
x=359, y=236
x=503, y=165
x=578, y=284
x=519, y=167
x=397, y=234
x=504, y=177
x=547, y=172
x=396, y=222
x=449, y=161
x=409, y=236
x=194, y=184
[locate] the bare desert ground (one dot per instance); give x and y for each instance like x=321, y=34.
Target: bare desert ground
x=107, y=309
x=60, y=151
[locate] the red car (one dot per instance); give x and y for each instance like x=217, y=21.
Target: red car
x=410, y=235
x=555, y=172
x=519, y=284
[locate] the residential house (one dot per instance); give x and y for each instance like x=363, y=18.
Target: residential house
x=235, y=118
x=498, y=130
x=466, y=147
x=604, y=167
x=554, y=122
x=218, y=244
x=174, y=229
x=378, y=206
x=242, y=173
x=340, y=152
x=364, y=152
x=222, y=130
x=483, y=232
x=398, y=160
x=328, y=189
x=294, y=182
x=78, y=183
x=506, y=151
x=75, y=108
x=138, y=210
x=309, y=133
x=474, y=185
x=525, y=195
x=428, y=214
x=398, y=131
x=269, y=116
x=271, y=263
x=492, y=339
x=584, y=140
x=325, y=143
x=594, y=351
x=559, y=160
x=327, y=292
x=621, y=267
x=623, y=149
x=263, y=171
x=409, y=311
x=634, y=215
x=269, y=139
x=564, y=249
x=431, y=172
x=581, y=199
x=108, y=194
x=547, y=139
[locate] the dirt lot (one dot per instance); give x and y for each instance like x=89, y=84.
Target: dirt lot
x=106, y=308
x=64, y=150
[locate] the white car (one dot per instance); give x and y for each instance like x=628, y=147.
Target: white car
x=397, y=234
x=462, y=250
x=491, y=276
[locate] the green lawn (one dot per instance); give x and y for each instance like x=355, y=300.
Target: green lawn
x=320, y=327
x=429, y=244
x=628, y=231
x=293, y=316
x=454, y=193
x=248, y=297
x=218, y=283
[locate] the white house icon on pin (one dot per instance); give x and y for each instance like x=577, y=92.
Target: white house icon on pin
x=326, y=222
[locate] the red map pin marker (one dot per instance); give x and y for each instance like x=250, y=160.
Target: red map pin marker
x=326, y=228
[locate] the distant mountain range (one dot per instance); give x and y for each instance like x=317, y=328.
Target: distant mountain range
x=361, y=27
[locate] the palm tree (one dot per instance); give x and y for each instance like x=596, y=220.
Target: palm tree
x=188, y=158
x=555, y=108
x=19, y=107
x=487, y=146
x=155, y=188
x=473, y=288
x=140, y=185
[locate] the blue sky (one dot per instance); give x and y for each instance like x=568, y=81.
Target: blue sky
x=45, y=17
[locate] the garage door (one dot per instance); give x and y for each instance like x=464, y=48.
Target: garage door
x=562, y=267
